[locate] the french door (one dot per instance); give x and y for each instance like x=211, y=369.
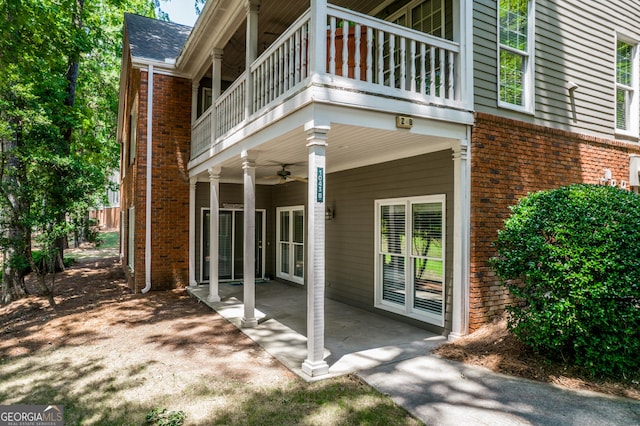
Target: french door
x=410, y=257
x=290, y=243
x=230, y=244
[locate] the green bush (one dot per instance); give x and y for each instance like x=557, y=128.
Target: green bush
x=158, y=417
x=572, y=257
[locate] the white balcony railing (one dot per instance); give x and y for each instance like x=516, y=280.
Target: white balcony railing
x=365, y=53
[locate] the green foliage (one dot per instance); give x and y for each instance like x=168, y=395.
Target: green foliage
x=572, y=256
x=57, y=133
x=158, y=417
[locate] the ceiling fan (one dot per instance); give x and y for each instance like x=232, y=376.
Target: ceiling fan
x=285, y=175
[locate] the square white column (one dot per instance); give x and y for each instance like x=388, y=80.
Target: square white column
x=214, y=218
x=192, y=232
x=249, y=281
x=461, y=240
x=315, y=365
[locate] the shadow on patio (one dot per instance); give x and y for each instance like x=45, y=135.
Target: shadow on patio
x=354, y=339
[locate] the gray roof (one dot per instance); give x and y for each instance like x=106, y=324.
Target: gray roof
x=153, y=39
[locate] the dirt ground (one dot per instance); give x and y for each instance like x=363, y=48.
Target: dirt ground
x=168, y=341
x=493, y=347
x=103, y=340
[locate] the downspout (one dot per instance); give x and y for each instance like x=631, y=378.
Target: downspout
x=147, y=246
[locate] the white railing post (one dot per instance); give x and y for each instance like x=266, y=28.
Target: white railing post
x=318, y=38
x=253, y=9
x=216, y=81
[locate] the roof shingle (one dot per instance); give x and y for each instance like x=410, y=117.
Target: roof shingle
x=153, y=39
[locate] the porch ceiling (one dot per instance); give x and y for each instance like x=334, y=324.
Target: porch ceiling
x=347, y=147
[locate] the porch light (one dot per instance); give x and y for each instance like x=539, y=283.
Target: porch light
x=329, y=214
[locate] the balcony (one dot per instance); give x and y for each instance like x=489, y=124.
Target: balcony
x=357, y=53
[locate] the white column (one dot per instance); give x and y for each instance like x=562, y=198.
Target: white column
x=315, y=365
x=214, y=214
x=216, y=85
x=253, y=9
x=216, y=73
x=249, y=281
x=461, y=239
x=192, y=232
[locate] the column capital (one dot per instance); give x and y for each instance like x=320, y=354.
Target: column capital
x=214, y=173
x=248, y=159
x=460, y=152
x=217, y=54
x=316, y=134
x=252, y=6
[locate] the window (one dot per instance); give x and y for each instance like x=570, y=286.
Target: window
x=206, y=99
x=410, y=262
x=515, y=54
x=290, y=244
x=133, y=125
x=626, y=88
x=131, y=233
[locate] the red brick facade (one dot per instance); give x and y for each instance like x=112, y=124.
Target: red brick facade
x=171, y=133
x=510, y=159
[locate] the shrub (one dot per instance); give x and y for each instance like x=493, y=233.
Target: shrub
x=572, y=257
x=158, y=417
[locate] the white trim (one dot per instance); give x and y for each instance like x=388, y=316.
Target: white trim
x=131, y=238
x=528, y=91
x=147, y=248
x=408, y=310
x=290, y=276
x=633, y=114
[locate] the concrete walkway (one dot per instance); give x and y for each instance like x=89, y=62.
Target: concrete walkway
x=394, y=357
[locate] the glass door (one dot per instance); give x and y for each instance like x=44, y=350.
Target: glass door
x=231, y=245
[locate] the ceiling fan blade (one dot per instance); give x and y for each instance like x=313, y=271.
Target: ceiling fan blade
x=299, y=178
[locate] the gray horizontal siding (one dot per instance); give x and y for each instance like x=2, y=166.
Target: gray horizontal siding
x=350, y=235
x=574, y=41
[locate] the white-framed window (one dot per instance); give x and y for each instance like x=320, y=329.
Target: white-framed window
x=626, y=87
x=122, y=234
x=133, y=133
x=206, y=99
x=410, y=257
x=427, y=16
x=131, y=226
x=290, y=243
x=515, y=54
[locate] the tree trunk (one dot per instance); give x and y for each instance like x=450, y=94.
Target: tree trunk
x=12, y=209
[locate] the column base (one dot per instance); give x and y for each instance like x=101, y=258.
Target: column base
x=314, y=369
x=452, y=337
x=193, y=284
x=249, y=322
x=213, y=298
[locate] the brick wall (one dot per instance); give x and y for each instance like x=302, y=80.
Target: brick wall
x=171, y=133
x=170, y=182
x=510, y=159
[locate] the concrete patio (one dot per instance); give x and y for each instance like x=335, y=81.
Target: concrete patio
x=355, y=339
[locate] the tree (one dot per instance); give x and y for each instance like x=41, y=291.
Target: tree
x=58, y=99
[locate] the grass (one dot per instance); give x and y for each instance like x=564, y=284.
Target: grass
x=109, y=240
x=91, y=392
